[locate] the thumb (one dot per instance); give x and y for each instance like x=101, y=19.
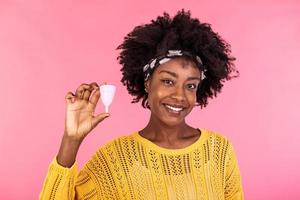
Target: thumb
x=97, y=119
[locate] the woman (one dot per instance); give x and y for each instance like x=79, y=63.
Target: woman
x=172, y=65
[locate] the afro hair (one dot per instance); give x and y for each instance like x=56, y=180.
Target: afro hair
x=181, y=32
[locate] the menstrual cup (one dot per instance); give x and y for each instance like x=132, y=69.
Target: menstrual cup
x=107, y=95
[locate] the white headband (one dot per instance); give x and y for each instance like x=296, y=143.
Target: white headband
x=149, y=67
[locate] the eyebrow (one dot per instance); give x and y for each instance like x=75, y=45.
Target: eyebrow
x=176, y=76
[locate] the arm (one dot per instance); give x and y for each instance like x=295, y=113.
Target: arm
x=62, y=172
x=64, y=183
x=233, y=181
x=60, y=182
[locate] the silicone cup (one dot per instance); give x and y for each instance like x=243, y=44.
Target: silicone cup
x=107, y=95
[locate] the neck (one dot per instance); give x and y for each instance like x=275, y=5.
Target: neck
x=158, y=131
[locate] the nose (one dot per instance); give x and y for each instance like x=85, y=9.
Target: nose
x=179, y=94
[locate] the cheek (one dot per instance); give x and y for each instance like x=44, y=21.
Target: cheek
x=192, y=98
x=160, y=94
x=155, y=98
x=156, y=95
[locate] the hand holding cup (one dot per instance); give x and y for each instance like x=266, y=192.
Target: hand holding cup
x=80, y=108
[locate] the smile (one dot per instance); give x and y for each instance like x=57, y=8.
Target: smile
x=173, y=109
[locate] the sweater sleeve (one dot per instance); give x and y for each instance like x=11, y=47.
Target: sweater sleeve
x=233, y=181
x=62, y=183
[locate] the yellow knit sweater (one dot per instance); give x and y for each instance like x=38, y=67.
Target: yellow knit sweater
x=132, y=167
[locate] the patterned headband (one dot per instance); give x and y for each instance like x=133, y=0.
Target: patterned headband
x=149, y=67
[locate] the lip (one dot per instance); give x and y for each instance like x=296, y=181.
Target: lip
x=172, y=113
x=175, y=105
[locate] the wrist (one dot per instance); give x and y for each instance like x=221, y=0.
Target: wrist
x=72, y=140
x=68, y=151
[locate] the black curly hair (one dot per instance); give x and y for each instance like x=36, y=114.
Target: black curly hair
x=181, y=32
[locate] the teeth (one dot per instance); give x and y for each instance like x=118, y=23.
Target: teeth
x=174, y=109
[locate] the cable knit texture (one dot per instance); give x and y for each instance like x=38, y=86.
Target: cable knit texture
x=131, y=167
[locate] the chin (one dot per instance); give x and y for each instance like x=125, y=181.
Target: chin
x=171, y=123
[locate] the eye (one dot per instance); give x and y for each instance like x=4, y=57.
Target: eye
x=192, y=86
x=167, y=82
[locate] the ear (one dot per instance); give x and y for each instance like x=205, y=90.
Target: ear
x=147, y=84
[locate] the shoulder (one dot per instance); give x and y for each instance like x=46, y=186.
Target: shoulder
x=219, y=140
x=107, y=154
x=113, y=145
x=216, y=135
x=115, y=142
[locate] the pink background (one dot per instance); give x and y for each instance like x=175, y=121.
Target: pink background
x=48, y=48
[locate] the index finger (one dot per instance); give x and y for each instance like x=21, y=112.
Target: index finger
x=81, y=88
x=95, y=96
x=94, y=85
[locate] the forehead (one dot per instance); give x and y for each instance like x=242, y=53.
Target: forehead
x=181, y=66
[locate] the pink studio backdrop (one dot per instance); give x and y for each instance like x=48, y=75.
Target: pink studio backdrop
x=48, y=48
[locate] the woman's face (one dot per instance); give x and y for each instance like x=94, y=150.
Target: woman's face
x=172, y=90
